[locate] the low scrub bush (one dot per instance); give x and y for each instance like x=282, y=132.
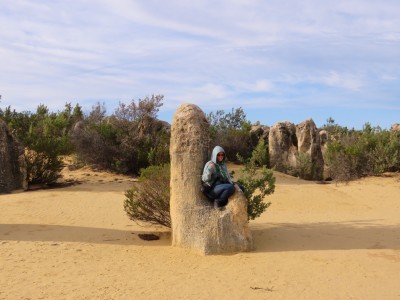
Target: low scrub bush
x=148, y=200
x=353, y=154
x=257, y=184
x=260, y=156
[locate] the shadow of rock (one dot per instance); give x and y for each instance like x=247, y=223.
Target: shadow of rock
x=61, y=233
x=355, y=234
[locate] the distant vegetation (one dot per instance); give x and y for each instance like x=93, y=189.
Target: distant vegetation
x=131, y=139
x=114, y=142
x=351, y=154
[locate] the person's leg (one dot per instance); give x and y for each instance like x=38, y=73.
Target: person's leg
x=222, y=192
x=241, y=187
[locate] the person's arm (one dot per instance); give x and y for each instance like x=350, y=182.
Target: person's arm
x=208, y=173
x=228, y=175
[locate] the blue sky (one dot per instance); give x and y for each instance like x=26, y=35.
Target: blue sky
x=278, y=60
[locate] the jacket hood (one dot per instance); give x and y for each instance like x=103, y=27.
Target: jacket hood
x=216, y=150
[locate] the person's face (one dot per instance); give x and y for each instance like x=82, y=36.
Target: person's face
x=220, y=156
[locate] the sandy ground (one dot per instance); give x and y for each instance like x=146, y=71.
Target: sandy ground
x=316, y=241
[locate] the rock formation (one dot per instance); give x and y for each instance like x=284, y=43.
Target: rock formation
x=196, y=224
x=287, y=141
x=260, y=131
x=12, y=162
x=395, y=132
x=283, y=146
x=323, y=139
x=308, y=140
x=395, y=127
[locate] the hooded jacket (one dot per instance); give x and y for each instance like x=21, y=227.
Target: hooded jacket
x=216, y=172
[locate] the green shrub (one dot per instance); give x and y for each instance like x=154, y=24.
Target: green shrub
x=353, y=154
x=45, y=137
x=304, y=167
x=148, y=200
x=42, y=168
x=257, y=184
x=260, y=156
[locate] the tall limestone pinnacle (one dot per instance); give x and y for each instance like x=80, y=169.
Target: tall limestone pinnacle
x=196, y=224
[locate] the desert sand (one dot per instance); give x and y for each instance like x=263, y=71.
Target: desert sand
x=316, y=241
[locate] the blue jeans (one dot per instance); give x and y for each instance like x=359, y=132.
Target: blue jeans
x=221, y=193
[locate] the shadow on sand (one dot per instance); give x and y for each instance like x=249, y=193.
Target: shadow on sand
x=61, y=233
x=356, y=234
x=276, y=237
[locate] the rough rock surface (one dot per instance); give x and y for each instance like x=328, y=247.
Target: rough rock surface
x=12, y=162
x=260, y=131
x=196, y=224
x=283, y=146
x=323, y=139
x=395, y=127
x=308, y=140
x=395, y=131
x=286, y=141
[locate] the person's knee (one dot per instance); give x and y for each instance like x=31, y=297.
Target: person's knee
x=231, y=189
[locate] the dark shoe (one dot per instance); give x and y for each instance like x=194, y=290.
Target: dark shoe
x=216, y=206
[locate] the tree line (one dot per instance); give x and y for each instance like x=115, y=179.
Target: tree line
x=132, y=138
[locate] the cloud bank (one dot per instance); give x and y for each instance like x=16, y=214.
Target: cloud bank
x=278, y=60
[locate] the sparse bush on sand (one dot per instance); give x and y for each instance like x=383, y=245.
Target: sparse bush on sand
x=148, y=200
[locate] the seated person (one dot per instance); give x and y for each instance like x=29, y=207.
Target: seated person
x=215, y=174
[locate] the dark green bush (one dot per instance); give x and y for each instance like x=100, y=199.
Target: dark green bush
x=257, y=184
x=260, y=156
x=45, y=137
x=304, y=168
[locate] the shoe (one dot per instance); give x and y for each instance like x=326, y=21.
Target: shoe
x=216, y=204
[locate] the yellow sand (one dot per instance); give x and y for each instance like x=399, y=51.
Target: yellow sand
x=316, y=241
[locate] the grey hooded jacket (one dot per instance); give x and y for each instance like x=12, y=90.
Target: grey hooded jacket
x=210, y=173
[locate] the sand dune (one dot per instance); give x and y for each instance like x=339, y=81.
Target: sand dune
x=316, y=241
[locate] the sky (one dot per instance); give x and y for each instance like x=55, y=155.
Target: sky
x=279, y=60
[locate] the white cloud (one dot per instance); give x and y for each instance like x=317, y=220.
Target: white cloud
x=335, y=79
x=259, y=53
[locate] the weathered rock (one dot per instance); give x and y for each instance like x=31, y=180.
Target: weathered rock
x=309, y=143
x=395, y=127
x=260, y=131
x=283, y=146
x=196, y=224
x=12, y=162
x=395, y=131
x=323, y=139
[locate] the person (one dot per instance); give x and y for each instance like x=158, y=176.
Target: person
x=215, y=175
